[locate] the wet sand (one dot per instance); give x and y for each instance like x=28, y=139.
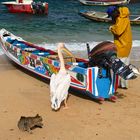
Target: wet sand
x=21, y=94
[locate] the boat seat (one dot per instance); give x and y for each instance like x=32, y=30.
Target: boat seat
x=80, y=64
x=17, y=43
x=10, y=40
x=67, y=55
x=20, y=45
x=29, y=49
x=137, y=18
x=91, y=13
x=23, y=46
x=40, y=53
x=54, y=57
x=105, y=16
x=67, y=59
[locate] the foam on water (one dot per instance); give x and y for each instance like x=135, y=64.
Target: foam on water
x=80, y=46
x=1, y=52
x=75, y=46
x=136, y=43
x=71, y=46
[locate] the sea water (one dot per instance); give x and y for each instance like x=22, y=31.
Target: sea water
x=63, y=24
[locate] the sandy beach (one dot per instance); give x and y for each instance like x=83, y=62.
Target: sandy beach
x=21, y=94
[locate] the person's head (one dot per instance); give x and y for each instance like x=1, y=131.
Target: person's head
x=124, y=12
x=113, y=12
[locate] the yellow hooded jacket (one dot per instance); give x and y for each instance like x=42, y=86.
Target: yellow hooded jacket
x=122, y=33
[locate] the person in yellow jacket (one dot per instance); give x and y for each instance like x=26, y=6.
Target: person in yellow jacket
x=121, y=30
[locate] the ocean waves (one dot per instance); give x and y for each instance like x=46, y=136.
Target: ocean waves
x=76, y=46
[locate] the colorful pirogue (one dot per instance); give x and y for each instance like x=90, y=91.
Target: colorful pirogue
x=99, y=83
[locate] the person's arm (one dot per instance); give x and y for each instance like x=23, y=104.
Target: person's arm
x=119, y=27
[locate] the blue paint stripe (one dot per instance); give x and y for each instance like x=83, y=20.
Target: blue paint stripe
x=113, y=82
x=80, y=70
x=56, y=64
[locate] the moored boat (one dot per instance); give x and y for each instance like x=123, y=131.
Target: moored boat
x=104, y=2
x=103, y=17
x=89, y=78
x=27, y=6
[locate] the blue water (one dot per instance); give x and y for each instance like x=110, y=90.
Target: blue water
x=63, y=23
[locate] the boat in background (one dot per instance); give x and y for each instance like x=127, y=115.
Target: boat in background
x=27, y=6
x=104, y=2
x=134, y=1
x=103, y=17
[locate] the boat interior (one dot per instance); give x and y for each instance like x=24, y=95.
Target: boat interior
x=69, y=58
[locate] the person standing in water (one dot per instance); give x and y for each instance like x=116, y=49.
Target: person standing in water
x=121, y=30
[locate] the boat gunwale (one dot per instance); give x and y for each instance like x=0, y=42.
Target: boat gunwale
x=95, y=18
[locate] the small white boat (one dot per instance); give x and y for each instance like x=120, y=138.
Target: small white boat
x=104, y=2
x=98, y=16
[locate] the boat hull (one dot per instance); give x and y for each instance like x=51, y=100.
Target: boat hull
x=104, y=2
x=92, y=81
x=23, y=8
x=103, y=17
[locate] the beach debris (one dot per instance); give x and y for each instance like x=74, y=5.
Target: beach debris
x=136, y=70
x=60, y=82
x=11, y=129
x=30, y=123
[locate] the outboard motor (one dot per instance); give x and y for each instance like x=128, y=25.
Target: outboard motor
x=105, y=55
x=38, y=7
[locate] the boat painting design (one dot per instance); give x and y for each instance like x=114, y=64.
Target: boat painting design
x=104, y=2
x=103, y=17
x=27, y=6
x=92, y=81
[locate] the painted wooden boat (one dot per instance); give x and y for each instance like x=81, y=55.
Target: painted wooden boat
x=44, y=62
x=103, y=17
x=26, y=6
x=104, y=2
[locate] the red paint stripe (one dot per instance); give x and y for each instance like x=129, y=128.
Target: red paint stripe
x=23, y=53
x=116, y=82
x=75, y=81
x=90, y=80
x=49, y=61
x=33, y=56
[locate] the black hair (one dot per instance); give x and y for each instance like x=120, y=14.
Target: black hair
x=115, y=14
